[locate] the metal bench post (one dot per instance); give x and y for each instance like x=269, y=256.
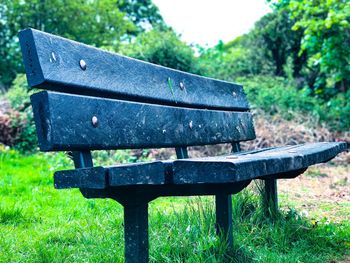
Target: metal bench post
x=223, y=204
x=181, y=152
x=82, y=159
x=270, y=200
x=135, y=219
x=136, y=233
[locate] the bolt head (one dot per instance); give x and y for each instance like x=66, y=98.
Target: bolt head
x=94, y=121
x=53, y=56
x=182, y=85
x=82, y=64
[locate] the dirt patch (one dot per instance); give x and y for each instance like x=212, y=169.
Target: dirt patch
x=323, y=191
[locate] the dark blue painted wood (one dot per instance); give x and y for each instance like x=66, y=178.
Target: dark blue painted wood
x=235, y=147
x=70, y=122
x=272, y=163
x=53, y=63
x=93, y=178
x=82, y=159
x=151, y=173
x=284, y=162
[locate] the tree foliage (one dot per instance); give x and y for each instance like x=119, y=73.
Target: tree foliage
x=326, y=39
x=325, y=29
x=228, y=61
x=274, y=39
x=143, y=13
x=306, y=41
x=99, y=23
x=267, y=49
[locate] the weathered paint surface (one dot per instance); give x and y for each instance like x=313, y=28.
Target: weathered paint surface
x=245, y=166
x=54, y=63
x=282, y=162
x=66, y=122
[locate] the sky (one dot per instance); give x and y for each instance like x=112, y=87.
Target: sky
x=206, y=22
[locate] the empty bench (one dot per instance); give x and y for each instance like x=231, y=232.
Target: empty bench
x=99, y=100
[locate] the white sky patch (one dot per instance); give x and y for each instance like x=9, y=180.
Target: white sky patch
x=206, y=22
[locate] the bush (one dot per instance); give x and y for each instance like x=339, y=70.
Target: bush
x=22, y=121
x=9, y=131
x=226, y=65
x=336, y=112
x=231, y=60
x=276, y=95
x=162, y=48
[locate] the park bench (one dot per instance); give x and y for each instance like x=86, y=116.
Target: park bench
x=99, y=100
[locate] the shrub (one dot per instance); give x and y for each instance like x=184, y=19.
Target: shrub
x=276, y=95
x=9, y=131
x=162, y=48
x=21, y=120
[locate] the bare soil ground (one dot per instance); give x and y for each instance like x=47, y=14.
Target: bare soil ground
x=323, y=192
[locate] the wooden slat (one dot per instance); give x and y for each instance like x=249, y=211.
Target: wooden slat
x=53, y=63
x=72, y=122
x=239, y=167
x=92, y=177
x=204, y=176
x=151, y=173
x=283, y=162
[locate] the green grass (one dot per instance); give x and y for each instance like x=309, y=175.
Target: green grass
x=41, y=224
x=315, y=173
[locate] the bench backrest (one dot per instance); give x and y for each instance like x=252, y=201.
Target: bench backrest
x=102, y=100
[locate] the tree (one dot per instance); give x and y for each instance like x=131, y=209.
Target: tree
x=102, y=23
x=325, y=29
x=143, y=13
x=274, y=38
x=326, y=38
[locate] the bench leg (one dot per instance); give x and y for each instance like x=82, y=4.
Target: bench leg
x=270, y=197
x=223, y=203
x=136, y=233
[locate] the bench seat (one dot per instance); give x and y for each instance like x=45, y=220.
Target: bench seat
x=278, y=162
x=271, y=162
